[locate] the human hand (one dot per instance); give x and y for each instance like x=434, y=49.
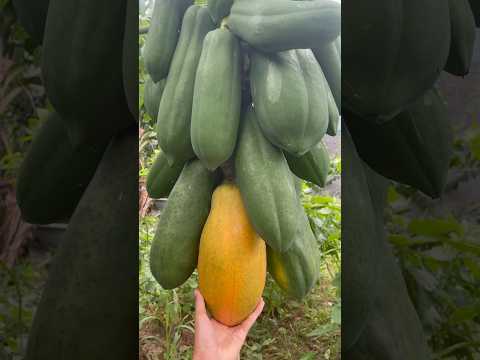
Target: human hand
x=215, y=341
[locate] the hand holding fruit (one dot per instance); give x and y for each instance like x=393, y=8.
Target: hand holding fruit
x=214, y=340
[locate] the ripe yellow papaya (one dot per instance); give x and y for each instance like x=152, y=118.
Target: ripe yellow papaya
x=232, y=261
x=296, y=270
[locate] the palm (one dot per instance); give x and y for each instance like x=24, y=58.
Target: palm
x=227, y=336
x=215, y=340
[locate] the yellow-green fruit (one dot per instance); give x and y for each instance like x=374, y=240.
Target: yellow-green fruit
x=232, y=262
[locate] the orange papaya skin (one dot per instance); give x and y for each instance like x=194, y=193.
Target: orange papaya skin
x=232, y=261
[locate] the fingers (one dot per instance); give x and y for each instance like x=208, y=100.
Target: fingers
x=248, y=322
x=199, y=304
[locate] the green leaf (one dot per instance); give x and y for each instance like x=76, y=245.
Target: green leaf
x=466, y=313
x=337, y=314
x=399, y=240
x=392, y=195
x=464, y=246
x=475, y=146
x=309, y=356
x=473, y=267
x=435, y=227
x=323, y=330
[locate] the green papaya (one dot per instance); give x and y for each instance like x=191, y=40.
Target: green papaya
x=152, y=94
x=130, y=57
x=217, y=99
x=163, y=35
x=296, y=270
x=174, y=251
x=175, y=110
x=89, y=306
x=82, y=67
x=463, y=38
x=330, y=62
x=393, y=330
x=32, y=15
x=54, y=174
x=475, y=6
x=219, y=9
x=333, y=116
x=290, y=96
x=279, y=25
x=360, y=246
x=414, y=148
x=266, y=186
x=394, y=52
x=313, y=166
x=162, y=177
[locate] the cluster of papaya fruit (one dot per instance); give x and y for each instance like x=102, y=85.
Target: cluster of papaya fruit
x=90, y=100
x=82, y=169
x=243, y=92
x=396, y=128
x=397, y=117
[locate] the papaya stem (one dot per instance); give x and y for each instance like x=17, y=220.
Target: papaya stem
x=224, y=23
x=228, y=170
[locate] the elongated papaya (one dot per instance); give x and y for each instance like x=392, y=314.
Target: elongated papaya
x=333, y=116
x=82, y=67
x=174, y=251
x=217, y=98
x=32, y=15
x=162, y=177
x=152, y=94
x=130, y=57
x=330, y=62
x=162, y=36
x=313, y=166
x=414, y=148
x=279, y=25
x=393, y=329
x=393, y=53
x=54, y=174
x=296, y=270
x=475, y=6
x=174, y=113
x=267, y=186
x=360, y=244
x=87, y=309
x=232, y=262
x=290, y=96
x=219, y=9
x=463, y=38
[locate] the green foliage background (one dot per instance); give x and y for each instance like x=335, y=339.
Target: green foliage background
x=23, y=107
x=437, y=243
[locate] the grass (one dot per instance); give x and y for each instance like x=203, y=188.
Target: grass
x=287, y=329
x=20, y=290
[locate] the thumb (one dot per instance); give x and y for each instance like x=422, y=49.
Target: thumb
x=199, y=304
x=246, y=325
